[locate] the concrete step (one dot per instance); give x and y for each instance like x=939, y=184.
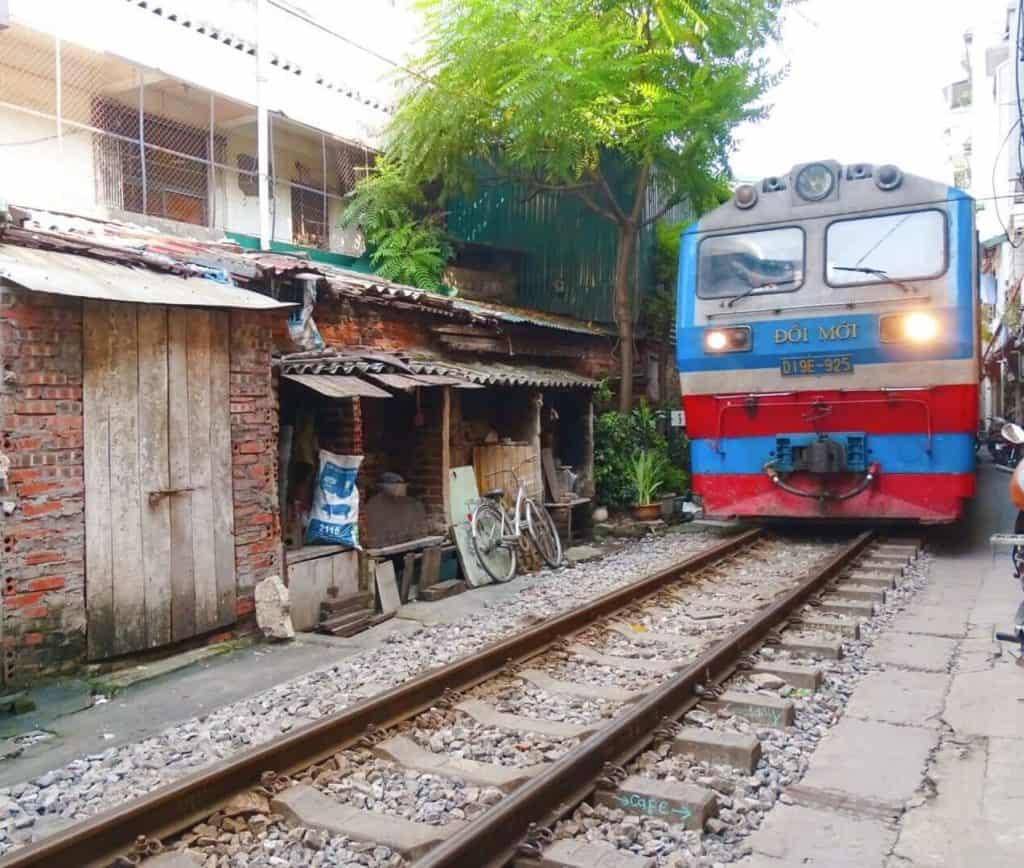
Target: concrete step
x=635, y=664
x=846, y=628
x=490, y=716
x=572, y=688
x=306, y=806
x=578, y=853
x=672, y=802
x=812, y=646
x=733, y=749
x=757, y=708
x=803, y=677
x=405, y=752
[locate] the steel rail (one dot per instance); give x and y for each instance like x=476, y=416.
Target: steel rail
x=493, y=838
x=174, y=807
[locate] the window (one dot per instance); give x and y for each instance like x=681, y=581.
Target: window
x=751, y=263
x=309, y=226
x=892, y=247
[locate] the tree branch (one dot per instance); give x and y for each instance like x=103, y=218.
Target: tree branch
x=641, y=193
x=593, y=206
x=598, y=176
x=662, y=211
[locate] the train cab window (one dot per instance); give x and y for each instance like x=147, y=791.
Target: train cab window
x=749, y=263
x=909, y=246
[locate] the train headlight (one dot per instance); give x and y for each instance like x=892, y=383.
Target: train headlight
x=815, y=182
x=917, y=327
x=730, y=339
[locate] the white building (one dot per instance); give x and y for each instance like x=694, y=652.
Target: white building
x=984, y=142
x=127, y=107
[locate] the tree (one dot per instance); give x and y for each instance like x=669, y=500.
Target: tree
x=547, y=92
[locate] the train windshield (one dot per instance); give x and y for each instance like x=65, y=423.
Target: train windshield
x=748, y=263
x=892, y=247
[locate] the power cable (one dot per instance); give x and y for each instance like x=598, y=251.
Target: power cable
x=995, y=198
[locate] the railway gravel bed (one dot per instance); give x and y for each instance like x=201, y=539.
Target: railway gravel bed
x=94, y=782
x=744, y=799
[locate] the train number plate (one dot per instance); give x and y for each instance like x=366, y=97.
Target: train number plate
x=810, y=365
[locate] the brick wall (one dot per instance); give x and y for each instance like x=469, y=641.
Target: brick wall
x=254, y=455
x=43, y=565
x=41, y=433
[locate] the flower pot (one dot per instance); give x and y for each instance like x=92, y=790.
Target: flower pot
x=647, y=512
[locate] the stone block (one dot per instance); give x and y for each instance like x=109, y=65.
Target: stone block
x=846, y=628
x=812, y=646
x=571, y=688
x=803, y=677
x=757, y=708
x=851, y=609
x=441, y=590
x=874, y=579
x=577, y=853
x=858, y=593
x=490, y=716
x=306, y=806
x=273, y=609
x=672, y=802
x=739, y=751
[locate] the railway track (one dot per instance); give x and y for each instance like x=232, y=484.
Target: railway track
x=293, y=777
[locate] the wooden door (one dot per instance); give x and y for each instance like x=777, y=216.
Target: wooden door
x=159, y=535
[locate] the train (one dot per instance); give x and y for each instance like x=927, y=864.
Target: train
x=828, y=347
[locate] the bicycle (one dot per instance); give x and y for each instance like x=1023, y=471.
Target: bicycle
x=496, y=531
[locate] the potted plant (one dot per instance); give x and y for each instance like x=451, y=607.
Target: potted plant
x=647, y=475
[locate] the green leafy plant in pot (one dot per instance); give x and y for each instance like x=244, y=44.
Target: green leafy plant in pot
x=647, y=475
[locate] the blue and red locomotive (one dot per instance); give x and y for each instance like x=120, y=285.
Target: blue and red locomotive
x=827, y=334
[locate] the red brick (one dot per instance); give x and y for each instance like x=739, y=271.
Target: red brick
x=43, y=558
x=50, y=583
x=32, y=638
x=44, y=508
x=34, y=612
x=20, y=601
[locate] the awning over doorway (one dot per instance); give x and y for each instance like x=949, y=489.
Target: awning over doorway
x=335, y=386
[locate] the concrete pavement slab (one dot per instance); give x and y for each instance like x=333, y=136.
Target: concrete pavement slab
x=933, y=620
x=793, y=836
x=899, y=696
x=988, y=703
x=870, y=760
x=913, y=651
x=974, y=817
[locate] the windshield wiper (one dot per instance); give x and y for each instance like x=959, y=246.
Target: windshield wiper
x=880, y=273
x=754, y=287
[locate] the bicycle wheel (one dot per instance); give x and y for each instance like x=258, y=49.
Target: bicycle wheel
x=540, y=527
x=496, y=556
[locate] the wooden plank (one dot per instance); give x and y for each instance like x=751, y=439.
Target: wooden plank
x=154, y=472
x=97, y=338
x=472, y=570
x=550, y=474
x=125, y=481
x=430, y=567
x=387, y=588
x=220, y=467
x=199, y=414
x=183, y=590
x=408, y=568
x=464, y=493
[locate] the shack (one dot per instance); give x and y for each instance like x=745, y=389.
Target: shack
x=138, y=432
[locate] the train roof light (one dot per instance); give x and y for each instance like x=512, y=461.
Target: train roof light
x=888, y=177
x=815, y=182
x=745, y=196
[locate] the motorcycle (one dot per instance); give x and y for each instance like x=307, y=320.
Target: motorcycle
x=1014, y=435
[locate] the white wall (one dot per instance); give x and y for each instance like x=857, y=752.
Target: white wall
x=130, y=32
x=39, y=171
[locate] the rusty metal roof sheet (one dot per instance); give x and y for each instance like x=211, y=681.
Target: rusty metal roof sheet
x=87, y=277
x=423, y=369
x=368, y=286
x=333, y=386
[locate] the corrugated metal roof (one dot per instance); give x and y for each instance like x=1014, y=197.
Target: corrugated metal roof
x=383, y=368
x=86, y=277
x=338, y=387
x=357, y=285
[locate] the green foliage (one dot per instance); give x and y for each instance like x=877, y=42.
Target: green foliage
x=647, y=475
x=618, y=439
x=406, y=244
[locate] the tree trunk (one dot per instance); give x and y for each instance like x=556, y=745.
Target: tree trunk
x=623, y=301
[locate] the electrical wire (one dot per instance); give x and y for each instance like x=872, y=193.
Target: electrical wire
x=995, y=166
